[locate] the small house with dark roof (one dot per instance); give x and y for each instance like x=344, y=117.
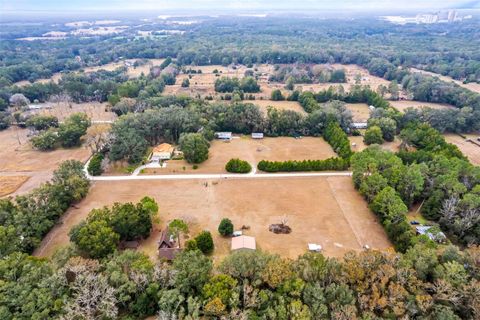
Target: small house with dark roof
x=167, y=246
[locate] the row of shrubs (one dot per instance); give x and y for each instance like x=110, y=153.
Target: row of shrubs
x=238, y=166
x=95, y=165
x=330, y=164
x=338, y=139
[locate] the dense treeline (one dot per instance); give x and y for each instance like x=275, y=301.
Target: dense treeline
x=338, y=139
x=377, y=45
x=424, y=283
x=436, y=175
x=26, y=219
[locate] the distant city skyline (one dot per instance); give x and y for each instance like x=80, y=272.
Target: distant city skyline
x=236, y=5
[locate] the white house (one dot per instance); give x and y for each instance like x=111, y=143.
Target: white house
x=431, y=234
x=359, y=125
x=257, y=135
x=163, y=151
x=223, y=135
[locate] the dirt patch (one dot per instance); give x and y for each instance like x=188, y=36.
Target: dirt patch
x=358, y=144
x=469, y=149
x=18, y=158
x=9, y=184
x=253, y=151
x=405, y=104
x=96, y=111
x=360, y=111
x=327, y=211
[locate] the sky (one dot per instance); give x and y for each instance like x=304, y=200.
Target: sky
x=191, y=5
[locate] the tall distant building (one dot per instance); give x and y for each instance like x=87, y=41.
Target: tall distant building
x=452, y=16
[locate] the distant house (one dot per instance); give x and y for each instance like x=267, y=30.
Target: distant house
x=163, y=151
x=167, y=247
x=359, y=125
x=223, y=135
x=257, y=135
x=432, y=234
x=243, y=242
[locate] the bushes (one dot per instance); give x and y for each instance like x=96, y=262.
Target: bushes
x=373, y=135
x=205, y=242
x=225, y=228
x=247, y=85
x=40, y=122
x=95, y=165
x=330, y=164
x=45, y=140
x=277, y=95
x=238, y=166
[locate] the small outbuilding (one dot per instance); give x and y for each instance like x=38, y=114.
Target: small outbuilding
x=431, y=233
x=257, y=135
x=163, y=151
x=226, y=136
x=314, y=247
x=243, y=242
x=359, y=125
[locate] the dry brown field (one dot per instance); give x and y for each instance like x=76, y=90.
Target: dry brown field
x=469, y=149
x=475, y=87
x=403, y=105
x=96, y=111
x=10, y=184
x=22, y=160
x=360, y=111
x=253, y=151
x=323, y=210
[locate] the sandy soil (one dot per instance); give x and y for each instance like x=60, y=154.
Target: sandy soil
x=393, y=146
x=22, y=160
x=253, y=151
x=96, y=111
x=402, y=105
x=327, y=211
x=360, y=111
x=471, y=86
x=469, y=149
x=9, y=184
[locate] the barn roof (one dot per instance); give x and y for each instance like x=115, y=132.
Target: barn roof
x=243, y=242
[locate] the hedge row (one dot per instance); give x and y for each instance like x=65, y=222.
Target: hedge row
x=95, y=165
x=338, y=139
x=330, y=164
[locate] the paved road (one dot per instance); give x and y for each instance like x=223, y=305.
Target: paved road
x=209, y=176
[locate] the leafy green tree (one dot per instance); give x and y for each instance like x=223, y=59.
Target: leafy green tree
x=387, y=125
x=74, y=127
x=131, y=221
x=205, y=242
x=194, y=147
x=45, y=141
x=185, y=83
x=249, y=85
x=373, y=135
x=192, y=272
x=225, y=228
x=96, y=239
x=372, y=185
x=220, y=286
x=178, y=227
x=277, y=95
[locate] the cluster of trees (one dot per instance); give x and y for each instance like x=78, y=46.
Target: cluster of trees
x=26, y=219
x=67, y=134
x=232, y=85
x=426, y=283
x=238, y=166
x=133, y=133
x=338, y=139
x=100, y=234
x=330, y=164
x=304, y=73
x=436, y=174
